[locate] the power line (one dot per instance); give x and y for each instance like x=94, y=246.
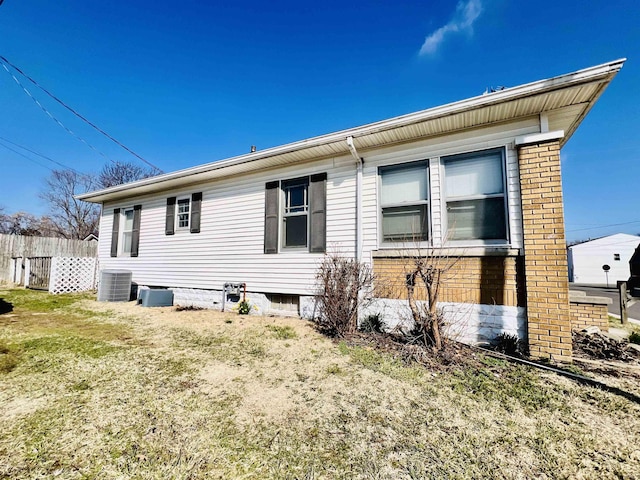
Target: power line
x=79, y=115
x=603, y=226
x=25, y=156
x=50, y=115
x=40, y=155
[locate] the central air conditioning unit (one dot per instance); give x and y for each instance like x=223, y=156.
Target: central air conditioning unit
x=114, y=286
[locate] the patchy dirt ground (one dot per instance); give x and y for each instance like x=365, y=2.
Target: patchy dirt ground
x=98, y=390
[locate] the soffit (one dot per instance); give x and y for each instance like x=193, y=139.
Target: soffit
x=565, y=100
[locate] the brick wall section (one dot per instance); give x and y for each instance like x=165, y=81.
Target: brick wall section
x=589, y=315
x=546, y=275
x=491, y=280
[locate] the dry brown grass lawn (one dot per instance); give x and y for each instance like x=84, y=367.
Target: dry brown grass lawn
x=96, y=390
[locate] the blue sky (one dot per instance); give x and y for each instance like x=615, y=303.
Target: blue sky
x=185, y=83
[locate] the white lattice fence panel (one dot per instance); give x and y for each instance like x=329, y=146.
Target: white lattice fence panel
x=73, y=274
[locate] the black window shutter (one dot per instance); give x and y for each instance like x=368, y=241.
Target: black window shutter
x=115, y=232
x=318, y=213
x=272, y=193
x=135, y=231
x=169, y=228
x=196, y=206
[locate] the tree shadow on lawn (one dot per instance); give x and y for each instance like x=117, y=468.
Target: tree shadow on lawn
x=5, y=307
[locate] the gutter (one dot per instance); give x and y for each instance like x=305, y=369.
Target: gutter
x=598, y=73
x=359, y=165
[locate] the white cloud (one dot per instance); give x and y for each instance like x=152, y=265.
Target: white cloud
x=466, y=14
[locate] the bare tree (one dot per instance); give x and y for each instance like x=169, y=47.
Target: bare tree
x=71, y=218
x=19, y=223
x=117, y=173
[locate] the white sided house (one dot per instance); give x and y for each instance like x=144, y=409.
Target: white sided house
x=602, y=262
x=478, y=179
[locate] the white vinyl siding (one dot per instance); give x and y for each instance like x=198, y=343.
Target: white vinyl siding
x=230, y=246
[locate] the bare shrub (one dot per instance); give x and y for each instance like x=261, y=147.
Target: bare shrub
x=343, y=287
x=431, y=267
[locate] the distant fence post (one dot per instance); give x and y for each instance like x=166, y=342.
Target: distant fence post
x=14, y=269
x=27, y=272
x=622, y=291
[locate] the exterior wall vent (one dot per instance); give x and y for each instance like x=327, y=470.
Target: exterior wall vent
x=114, y=286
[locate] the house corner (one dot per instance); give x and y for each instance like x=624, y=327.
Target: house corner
x=545, y=259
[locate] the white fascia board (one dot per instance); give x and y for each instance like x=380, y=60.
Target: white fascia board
x=539, y=137
x=601, y=72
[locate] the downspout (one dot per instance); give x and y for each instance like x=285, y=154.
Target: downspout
x=359, y=165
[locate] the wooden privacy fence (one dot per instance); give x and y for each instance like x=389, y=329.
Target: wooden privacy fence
x=61, y=274
x=15, y=249
x=37, y=273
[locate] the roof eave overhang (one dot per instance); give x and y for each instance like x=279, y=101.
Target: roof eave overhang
x=334, y=144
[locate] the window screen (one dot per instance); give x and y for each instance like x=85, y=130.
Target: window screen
x=475, y=199
x=404, y=200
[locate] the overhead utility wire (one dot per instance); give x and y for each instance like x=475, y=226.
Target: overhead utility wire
x=603, y=226
x=79, y=115
x=49, y=114
x=40, y=155
x=25, y=156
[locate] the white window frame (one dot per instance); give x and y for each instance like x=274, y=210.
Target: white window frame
x=444, y=198
x=283, y=214
x=426, y=203
x=123, y=222
x=183, y=200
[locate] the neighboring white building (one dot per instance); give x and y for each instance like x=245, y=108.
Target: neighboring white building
x=587, y=260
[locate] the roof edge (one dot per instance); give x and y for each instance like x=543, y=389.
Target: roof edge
x=587, y=75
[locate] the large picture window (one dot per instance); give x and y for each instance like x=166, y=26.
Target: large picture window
x=404, y=199
x=475, y=196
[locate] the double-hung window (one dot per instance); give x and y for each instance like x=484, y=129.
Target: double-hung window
x=475, y=196
x=404, y=199
x=125, y=233
x=295, y=213
x=127, y=230
x=183, y=212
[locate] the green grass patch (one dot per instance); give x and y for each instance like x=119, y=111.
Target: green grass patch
x=508, y=385
x=282, y=332
x=384, y=363
x=70, y=345
x=246, y=347
x=334, y=369
x=9, y=357
x=39, y=301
